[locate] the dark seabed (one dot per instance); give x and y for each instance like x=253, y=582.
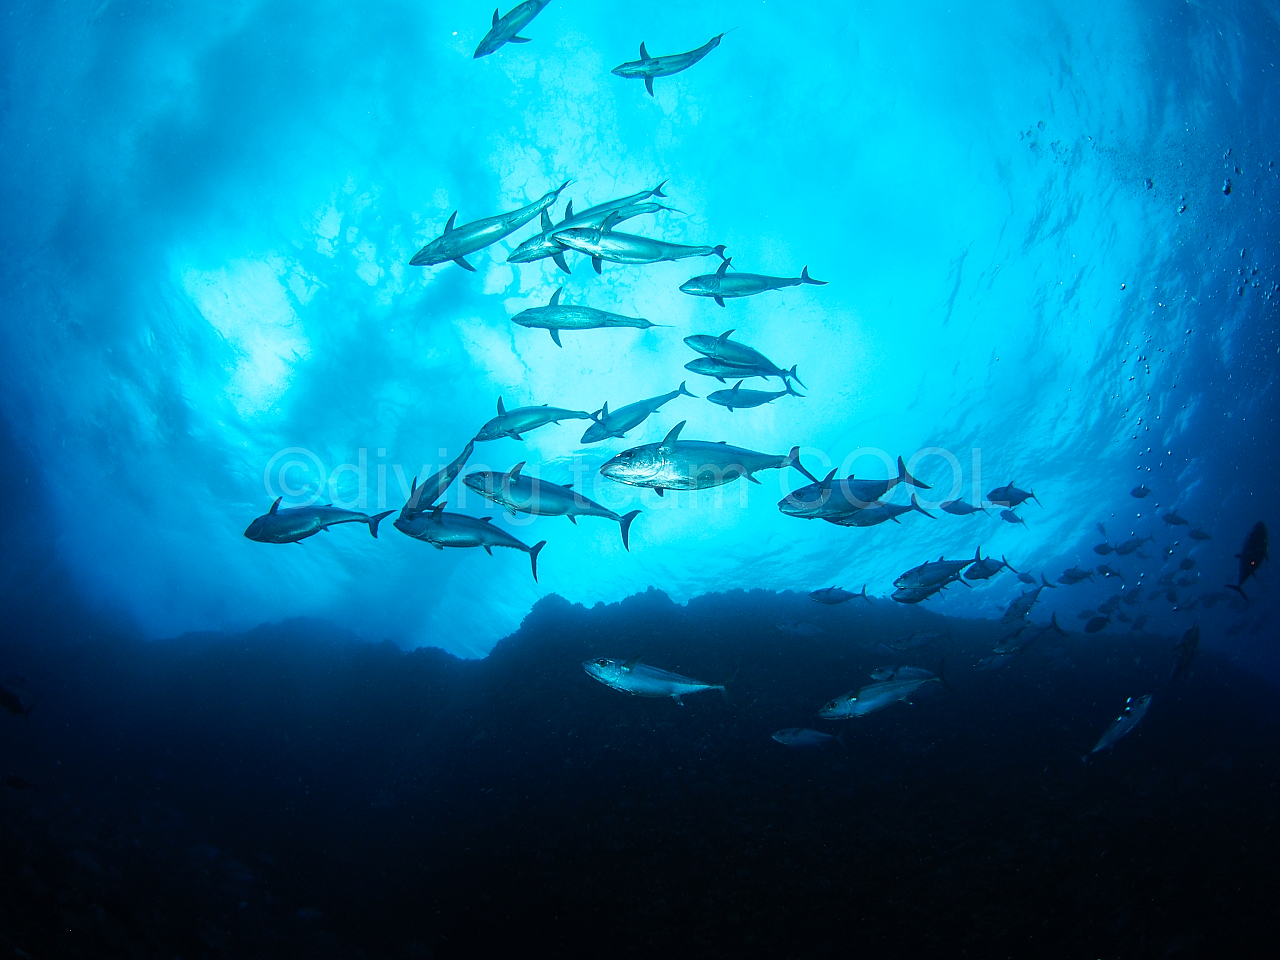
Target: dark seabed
x=295, y=792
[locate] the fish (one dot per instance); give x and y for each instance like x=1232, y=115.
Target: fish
x=798, y=628
x=1086, y=614
x=1140, y=492
x=505, y=29
x=297, y=523
x=1020, y=606
x=1075, y=575
x=961, y=508
x=1108, y=606
x=1124, y=617
x=1109, y=571
x=873, y=697
x=834, y=595
x=557, y=316
x=1102, y=527
x=919, y=594
x=624, y=419
x=543, y=244
x=1173, y=519
x=17, y=700
x=1021, y=639
x=456, y=242
x=517, y=421
x=1010, y=496
x=1184, y=652
x=915, y=641
x=985, y=569
x=801, y=738
x=1134, y=596
x=1209, y=600
x=600, y=211
x=442, y=530
x=604, y=243
x=721, y=286
x=1130, y=717
x=1139, y=622
x=676, y=464
x=1187, y=563
x=422, y=496
x=935, y=571
x=1103, y=549
x=1027, y=577
x=902, y=672
x=641, y=680
x=739, y=399
x=647, y=67
x=518, y=493
x=1251, y=556
x=1008, y=516
x=995, y=661
x=877, y=513
x=709, y=367
x=1129, y=546
x=724, y=350
x=1096, y=624
x=1199, y=534
x=824, y=499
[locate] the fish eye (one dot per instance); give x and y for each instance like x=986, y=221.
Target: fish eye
x=602, y=662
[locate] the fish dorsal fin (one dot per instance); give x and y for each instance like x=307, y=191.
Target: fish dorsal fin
x=610, y=220
x=669, y=442
x=736, y=386
x=604, y=411
x=486, y=519
x=644, y=54
x=274, y=507
x=502, y=411
x=414, y=488
x=725, y=335
x=723, y=267
x=555, y=297
x=514, y=473
x=547, y=225
x=630, y=664
x=826, y=484
x=438, y=509
x=495, y=16
x=568, y=210
x=448, y=226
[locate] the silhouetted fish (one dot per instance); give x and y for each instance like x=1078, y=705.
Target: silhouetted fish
x=802, y=738
x=1185, y=651
x=1010, y=496
x=505, y=29
x=1173, y=519
x=1251, y=556
x=834, y=595
x=1134, y=711
x=1140, y=492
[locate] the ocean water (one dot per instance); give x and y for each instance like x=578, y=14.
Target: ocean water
x=1047, y=237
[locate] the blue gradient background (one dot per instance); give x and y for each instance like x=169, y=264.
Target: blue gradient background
x=211, y=208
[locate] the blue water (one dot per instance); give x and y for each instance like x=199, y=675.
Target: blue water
x=1050, y=247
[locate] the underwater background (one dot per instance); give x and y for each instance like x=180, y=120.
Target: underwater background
x=1048, y=237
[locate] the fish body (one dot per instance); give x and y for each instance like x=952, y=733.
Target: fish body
x=1020, y=606
x=506, y=29
x=960, y=508
x=1140, y=492
x=605, y=243
x=721, y=285
x=456, y=242
x=458, y=530
x=731, y=352
x=832, y=498
x=1139, y=622
x=709, y=367
x=297, y=523
x=642, y=680
x=1187, y=563
x=1026, y=577
x=877, y=513
x=1075, y=575
x=543, y=244
x=1251, y=556
x=557, y=316
x=422, y=496
x=834, y=595
x=1130, y=717
x=676, y=464
x=984, y=568
x=648, y=67
x=1097, y=624
x=517, y=421
x=1008, y=516
x=1010, y=496
x=1109, y=571
x=873, y=697
x=995, y=661
x=801, y=738
x=934, y=571
x=902, y=672
x=617, y=423
x=1199, y=534
x=1184, y=652
x=1103, y=549
x=1129, y=546
x=739, y=399
x=17, y=700
x=798, y=628
x=518, y=493
x=1174, y=519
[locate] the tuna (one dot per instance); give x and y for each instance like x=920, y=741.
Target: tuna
x=709, y=367
x=676, y=464
x=835, y=595
x=1010, y=496
x=1103, y=549
x=721, y=286
x=1140, y=492
x=984, y=568
x=505, y=29
x=556, y=316
x=832, y=498
x=456, y=242
x=442, y=530
x=647, y=67
x=874, y=696
x=1129, y=546
x=1199, y=534
x=727, y=351
x=739, y=399
x=1008, y=516
x=1130, y=717
x=1184, y=652
x=517, y=421
x=1020, y=606
x=1109, y=571
x=542, y=245
x=422, y=496
x=640, y=680
x=1173, y=519
x=1075, y=575
x=961, y=508
x=617, y=423
x=934, y=572
x=297, y=523
x=1251, y=556
x=801, y=738
x=877, y=513
x=604, y=243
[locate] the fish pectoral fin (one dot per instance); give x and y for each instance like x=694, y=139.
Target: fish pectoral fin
x=519, y=40
x=487, y=549
x=648, y=85
x=595, y=262
x=462, y=262
x=630, y=663
x=561, y=262
x=572, y=519
x=751, y=477
x=719, y=300
x=555, y=336
x=658, y=491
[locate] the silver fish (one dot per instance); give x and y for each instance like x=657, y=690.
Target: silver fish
x=873, y=697
x=442, y=530
x=517, y=421
x=640, y=680
x=876, y=513
x=1130, y=717
x=732, y=352
x=710, y=367
x=604, y=243
x=676, y=464
x=422, y=496
x=825, y=499
x=721, y=286
x=739, y=399
x=456, y=242
x=617, y=423
x=935, y=571
x=902, y=672
x=557, y=316
x=834, y=595
x=542, y=245
x=297, y=523
x=505, y=29
x=801, y=738
x=648, y=67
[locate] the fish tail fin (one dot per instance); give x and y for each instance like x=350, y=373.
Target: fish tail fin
x=1053, y=624
x=793, y=375
x=625, y=523
x=791, y=390
x=657, y=191
x=718, y=250
x=904, y=477
x=533, y=557
x=1046, y=583
x=724, y=687
x=1232, y=586
x=864, y=596
x=685, y=390
x=375, y=520
x=805, y=278
x=792, y=459
x=942, y=675
x=1006, y=563
x=915, y=505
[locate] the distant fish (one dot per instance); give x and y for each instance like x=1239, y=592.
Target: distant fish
x=1109, y=571
x=647, y=67
x=1133, y=596
x=1187, y=563
x=1173, y=519
x=832, y=498
x=986, y=568
x=739, y=399
x=1010, y=496
x=457, y=530
x=617, y=423
x=1026, y=577
x=1134, y=711
x=876, y=513
x=1019, y=640
x=1139, y=622
x=17, y=700
x=798, y=628
x=456, y=242
x=1123, y=617
x=873, y=697
x=640, y=680
x=518, y=421
x=1129, y=546
x=1020, y=606
x=1209, y=600
x=1184, y=652
x=505, y=29
x=557, y=316
x=1199, y=534
x=297, y=523
x=1097, y=624
x=834, y=595
x=1102, y=528
x=1103, y=549
x=995, y=661
x=801, y=738
x=961, y=508
x=1075, y=575
x=1140, y=492
x=1086, y=614
x=721, y=285
x=1251, y=556
x=1008, y=516
x=1109, y=606
x=915, y=641
x=934, y=572
x=902, y=672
